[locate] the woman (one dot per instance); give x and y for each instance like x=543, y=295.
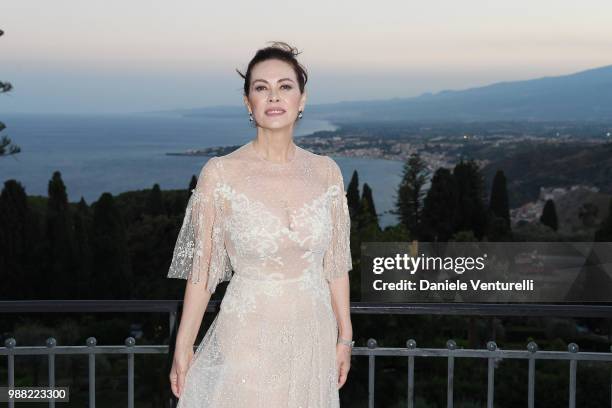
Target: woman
x=275, y=214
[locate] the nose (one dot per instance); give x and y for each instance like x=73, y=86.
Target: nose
x=273, y=97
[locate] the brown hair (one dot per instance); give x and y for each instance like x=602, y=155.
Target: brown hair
x=280, y=51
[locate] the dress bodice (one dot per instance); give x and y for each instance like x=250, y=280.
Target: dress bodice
x=265, y=220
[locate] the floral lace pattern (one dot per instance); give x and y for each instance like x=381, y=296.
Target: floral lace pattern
x=284, y=230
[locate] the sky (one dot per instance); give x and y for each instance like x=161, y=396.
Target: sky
x=69, y=56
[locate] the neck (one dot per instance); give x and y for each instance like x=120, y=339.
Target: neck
x=275, y=144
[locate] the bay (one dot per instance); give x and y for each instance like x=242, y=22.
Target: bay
x=118, y=153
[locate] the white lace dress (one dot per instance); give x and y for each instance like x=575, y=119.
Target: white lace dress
x=284, y=230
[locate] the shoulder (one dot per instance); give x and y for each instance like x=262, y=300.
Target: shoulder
x=321, y=161
x=333, y=170
x=211, y=167
x=327, y=167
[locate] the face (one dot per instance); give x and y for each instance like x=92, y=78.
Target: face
x=274, y=86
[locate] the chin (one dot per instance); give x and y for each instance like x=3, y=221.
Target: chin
x=274, y=124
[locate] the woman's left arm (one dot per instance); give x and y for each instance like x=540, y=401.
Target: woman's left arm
x=340, y=299
x=337, y=263
x=340, y=296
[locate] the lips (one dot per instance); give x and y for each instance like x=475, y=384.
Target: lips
x=274, y=111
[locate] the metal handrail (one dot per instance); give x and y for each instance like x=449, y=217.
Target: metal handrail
x=491, y=353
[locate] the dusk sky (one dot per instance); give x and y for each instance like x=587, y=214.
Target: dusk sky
x=71, y=56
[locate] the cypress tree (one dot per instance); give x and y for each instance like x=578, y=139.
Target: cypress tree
x=471, y=215
x=111, y=265
x=83, y=253
x=604, y=233
x=439, y=208
x=410, y=193
x=17, y=239
x=498, y=220
x=367, y=223
x=352, y=194
x=498, y=203
x=155, y=202
x=193, y=183
x=60, y=240
x=549, y=215
x=370, y=208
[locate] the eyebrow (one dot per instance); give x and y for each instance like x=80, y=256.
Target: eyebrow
x=280, y=80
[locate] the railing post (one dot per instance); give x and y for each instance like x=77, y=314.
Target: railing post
x=450, y=345
x=51, y=343
x=572, y=348
x=411, y=344
x=491, y=346
x=172, y=322
x=91, y=343
x=372, y=344
x=10, y=344
x=532, y=347
x=130, y=342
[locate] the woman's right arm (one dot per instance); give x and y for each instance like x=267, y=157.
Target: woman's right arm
x=194, y=306
x=200, y=257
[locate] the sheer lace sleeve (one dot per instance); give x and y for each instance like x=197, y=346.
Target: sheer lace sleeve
x=200, y=252
x=337, y=260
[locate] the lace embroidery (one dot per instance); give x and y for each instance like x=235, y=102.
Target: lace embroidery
x=200, y=252
x=273, y=342
x=337, y=261
x=252, y=222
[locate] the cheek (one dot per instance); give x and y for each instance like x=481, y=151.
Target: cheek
x=258, y=102
x=294, y=99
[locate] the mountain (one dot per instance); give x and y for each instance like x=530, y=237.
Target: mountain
x=585, y=95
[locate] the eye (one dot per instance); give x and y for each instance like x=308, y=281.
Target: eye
x=258, y=88
x=288, y=86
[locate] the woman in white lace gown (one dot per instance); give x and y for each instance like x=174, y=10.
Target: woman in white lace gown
x=276, y=215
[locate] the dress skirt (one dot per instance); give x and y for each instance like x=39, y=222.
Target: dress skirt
x=272, y=345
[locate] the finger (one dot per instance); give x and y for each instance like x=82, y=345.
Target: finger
x=181, y=382
x=344, y=369
x=341, y=380
x=340, y=374
x=174, y=384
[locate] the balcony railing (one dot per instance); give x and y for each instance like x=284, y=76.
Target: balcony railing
x=492, y=353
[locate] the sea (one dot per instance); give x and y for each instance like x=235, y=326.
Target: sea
x=124, y=152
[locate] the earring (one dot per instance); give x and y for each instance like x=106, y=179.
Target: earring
x=250, y=117
x=300, y=115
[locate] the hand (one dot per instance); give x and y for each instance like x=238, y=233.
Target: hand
x=343, y=362
x=180, y=365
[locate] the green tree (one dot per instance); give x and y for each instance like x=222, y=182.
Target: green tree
x=368, y=215
x=498, y=222
x=111, y=263
x=439, y=208
x=151, y=242
x=192, y=183
x=19, y=240
x=549, y=215
x=7, y=147
x=604, y=233
x=352, y=194
x=408, y=205
x=471, y=213
x=82, y=250
x=498, y=202
x=60, y=240
x=155, y=202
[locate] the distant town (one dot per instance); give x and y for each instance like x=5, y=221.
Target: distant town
x=570, y=163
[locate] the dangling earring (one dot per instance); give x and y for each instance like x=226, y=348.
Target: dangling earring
x=300, y=115
x=250, y=117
